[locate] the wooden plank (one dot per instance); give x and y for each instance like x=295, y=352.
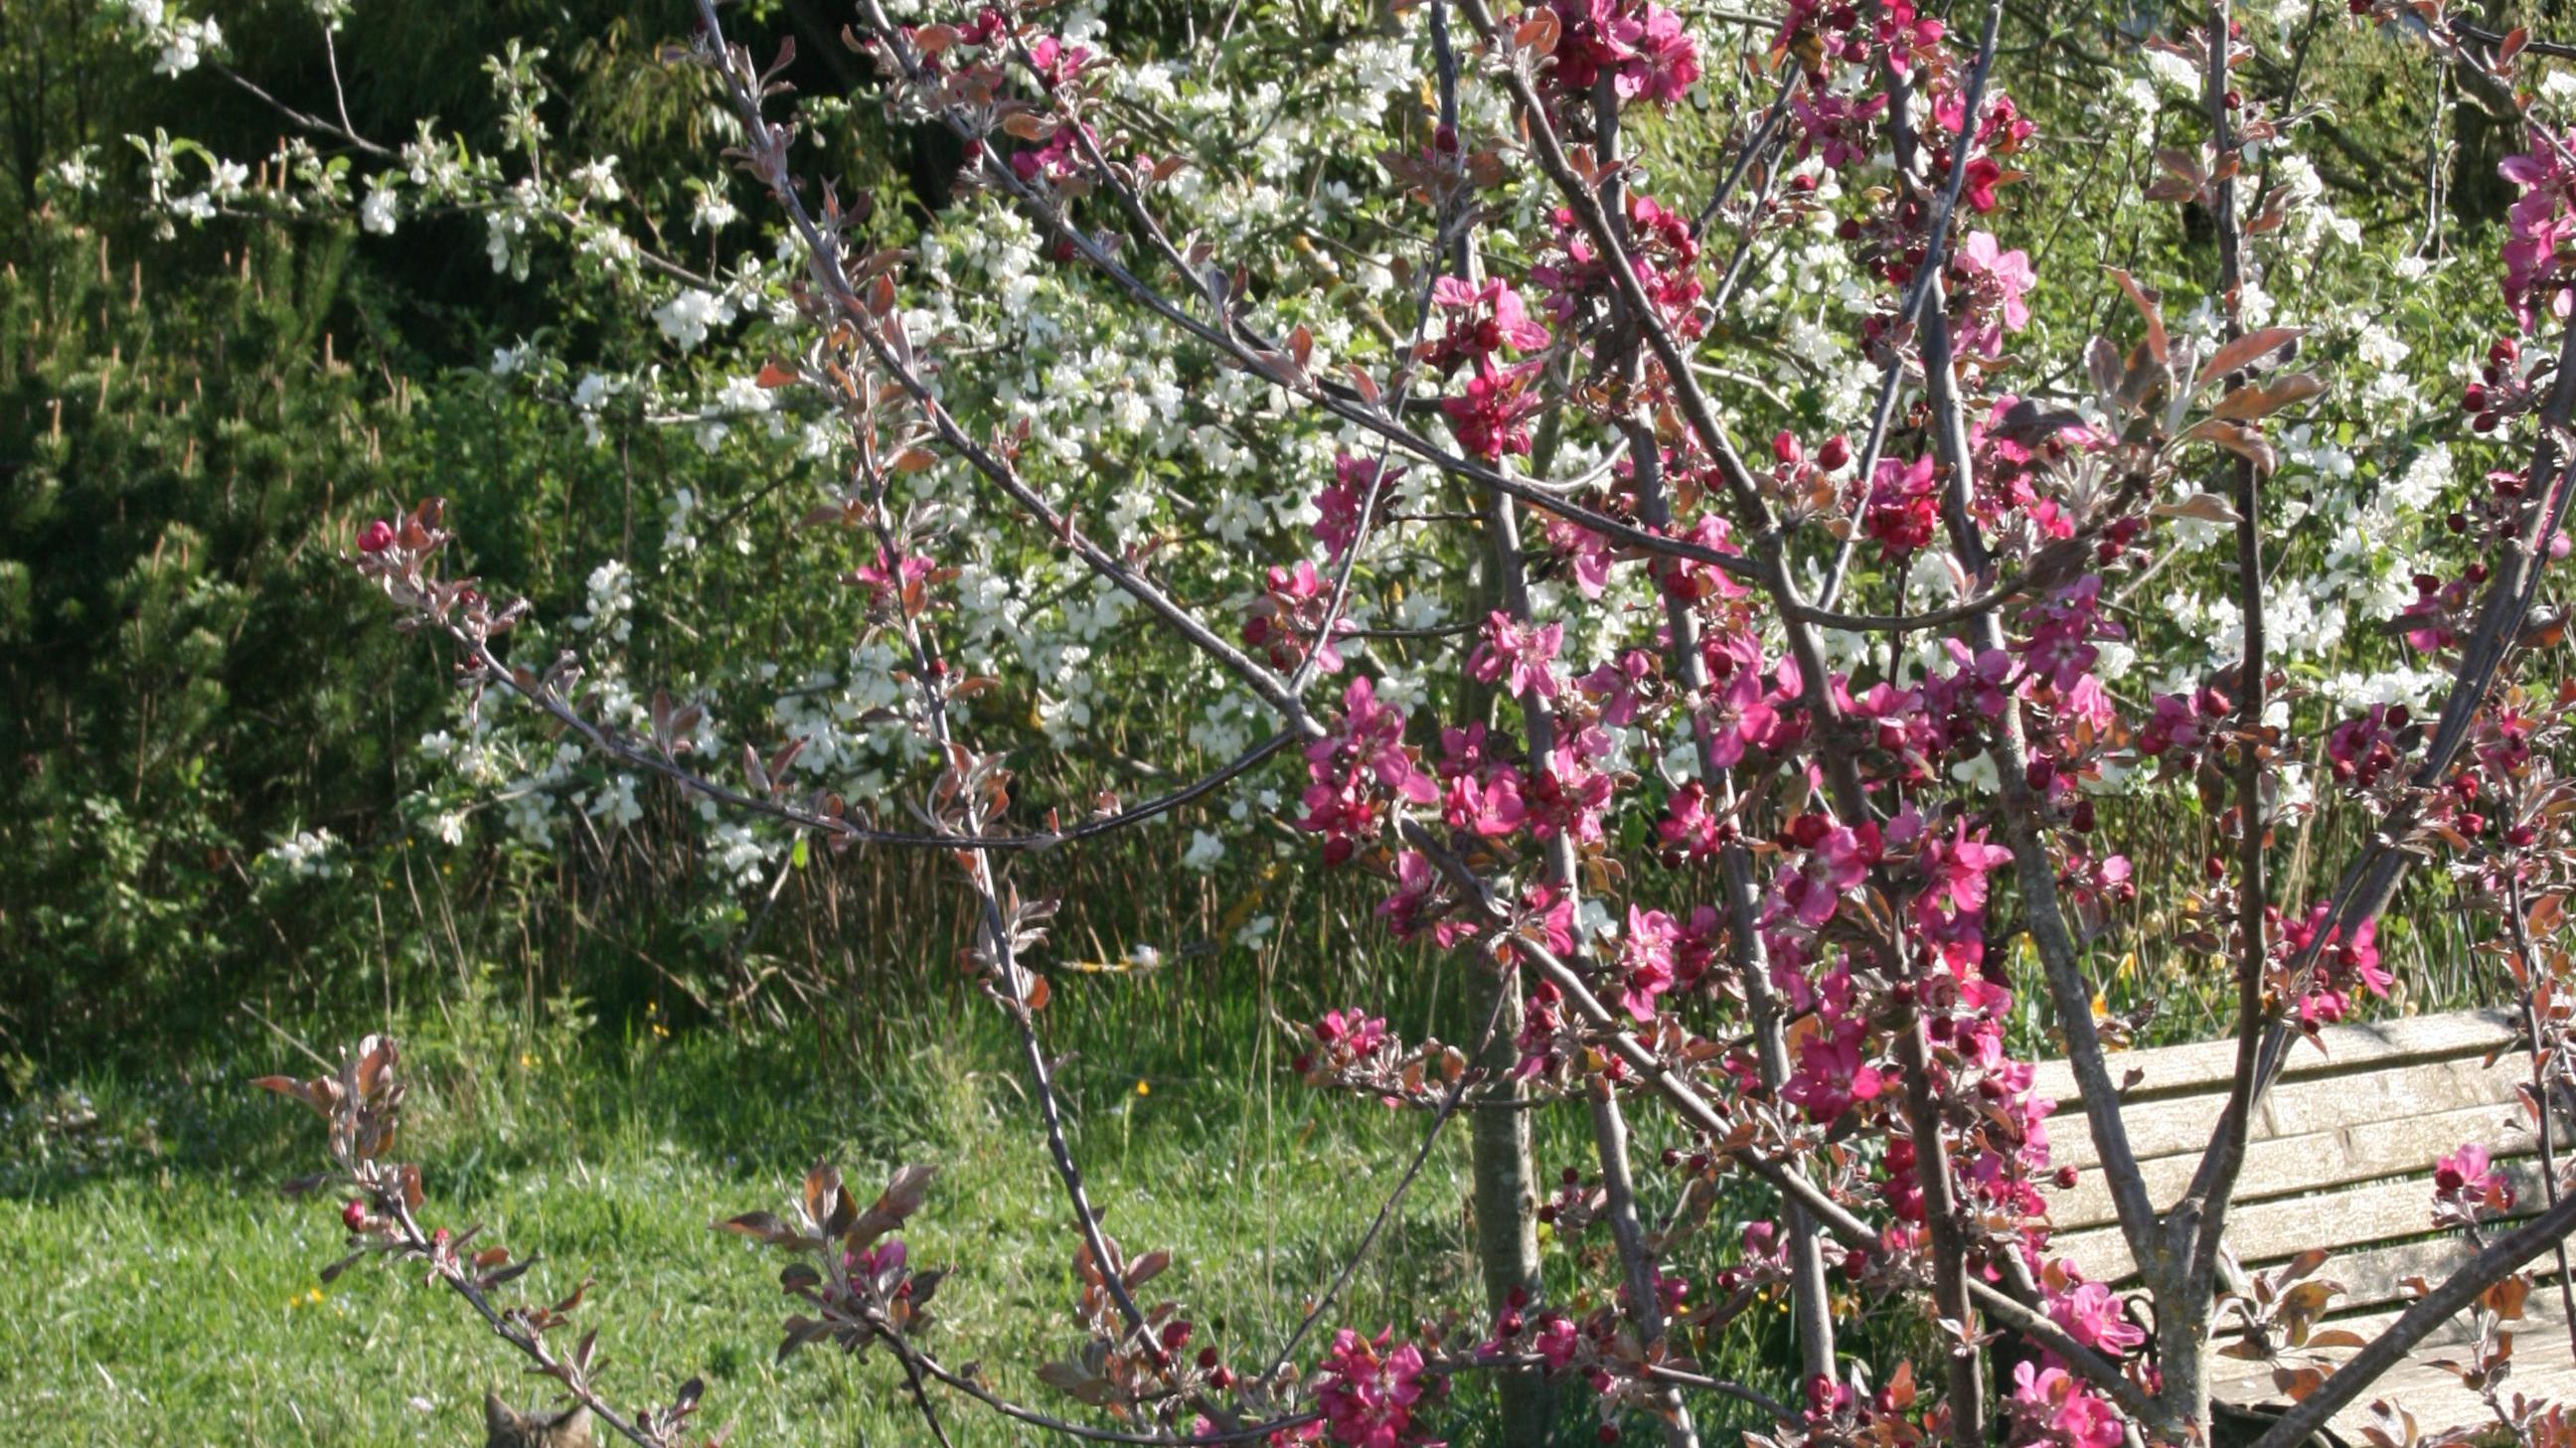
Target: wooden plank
x=2437, y=1399
x=2211, y=1065
x=2299, y=1107
x=2266, y=1232
x=2339, y=1158
x=2375, y=1276
x=2312, y=1161
x=2542, y=1367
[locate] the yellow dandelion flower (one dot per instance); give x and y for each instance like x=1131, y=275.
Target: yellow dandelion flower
x=1144, y=1088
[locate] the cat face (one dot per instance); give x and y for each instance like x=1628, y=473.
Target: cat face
x=504, y=1428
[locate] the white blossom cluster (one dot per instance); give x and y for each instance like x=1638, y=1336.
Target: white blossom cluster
x=1211, y=473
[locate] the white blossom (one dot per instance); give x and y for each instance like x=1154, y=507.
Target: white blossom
x=687, y=318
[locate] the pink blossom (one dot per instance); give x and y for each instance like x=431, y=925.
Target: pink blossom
x=1567, y=795
x=1357, y=769
x=888, y=576
x=1643, y=47
x=1058, y=62
x=1989, y=295
x=1518, y=653
x=1410, y=907
x=1367, y=1391
x=2340, y=963
x=1556, y=1341
x=1903, y=511
x=1955, y=871
x=1620, y=686
x=1491, y=416
x=1646, y=955
x=1831, y=1075
x=1839, y=127
x=2538, y=229
x=1481, y=321
x=2090, y=1313
x=2048, y=1399
x=1690, y=825
x=1588, y=551
x=2060, y=650
x=1338, y=522
x=1288, y=619
x=2467, y=1186
x=1353, y=1030
x=1371, y=735
x=2362, y=749
x=1738, y=717
x=1547, y=916
x=1490, y=808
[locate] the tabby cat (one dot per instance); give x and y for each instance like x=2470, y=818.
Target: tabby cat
x=506, y=1429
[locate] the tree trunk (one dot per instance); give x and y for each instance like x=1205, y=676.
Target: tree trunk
x=1506, y=1200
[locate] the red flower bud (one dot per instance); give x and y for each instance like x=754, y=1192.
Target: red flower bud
x=376, y=537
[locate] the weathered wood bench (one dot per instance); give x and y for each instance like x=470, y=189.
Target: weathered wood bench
x=2340, y=1157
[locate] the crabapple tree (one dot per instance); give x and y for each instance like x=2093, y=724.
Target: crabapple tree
x=1596, y=474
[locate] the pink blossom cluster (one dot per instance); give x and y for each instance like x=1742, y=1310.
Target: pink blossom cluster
x=1642, y=47
x=1288, y=619
x=2342, y=961
x=1338, y=520
x=1356, y=772
x=1480, y=324
x=2539, y=229
x=1368, y=1387
x=1663, y=250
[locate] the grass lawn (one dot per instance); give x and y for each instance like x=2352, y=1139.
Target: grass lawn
x=156, y=1288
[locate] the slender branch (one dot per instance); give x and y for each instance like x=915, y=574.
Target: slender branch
x=416, y=1243
x=930, y=1367
x=1449, y=1104
x=2383, y=862
x=2198, y=1221
x=2545, y=1118
x=603, y=742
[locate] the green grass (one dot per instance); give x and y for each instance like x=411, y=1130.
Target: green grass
x=155, y=1288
